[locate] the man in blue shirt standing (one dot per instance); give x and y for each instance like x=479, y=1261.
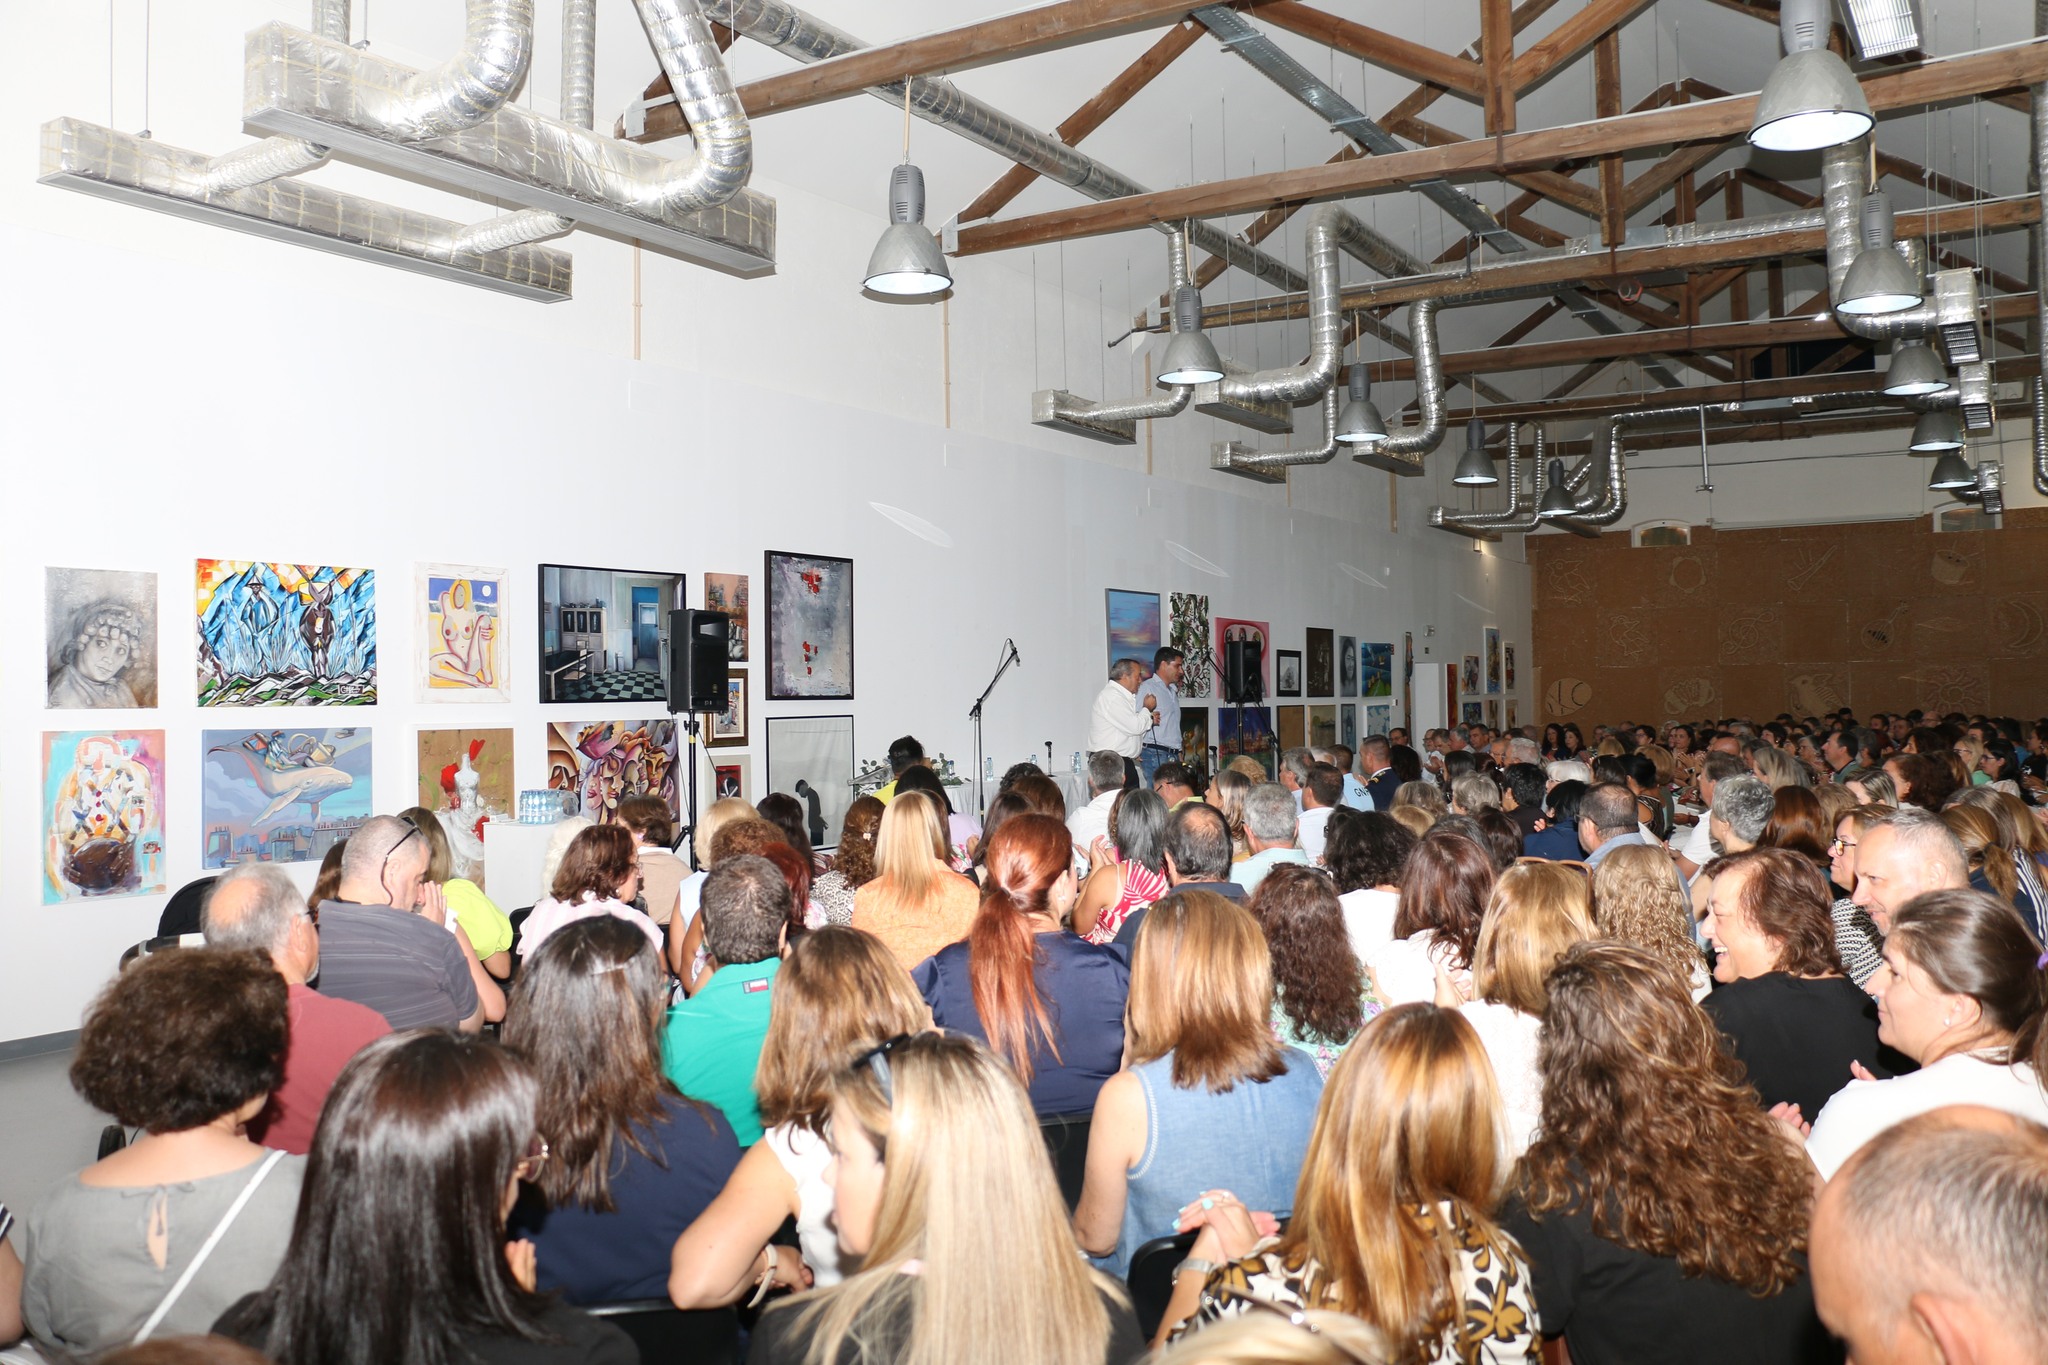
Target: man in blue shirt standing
x=1162, y=741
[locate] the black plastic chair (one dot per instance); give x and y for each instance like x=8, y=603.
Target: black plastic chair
x=1151, y=1278
x=668, y=1335
x=182, y=912
x=1066, y=1140
x=156, y=945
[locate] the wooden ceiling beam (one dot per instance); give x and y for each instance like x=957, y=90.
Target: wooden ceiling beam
x=1934, y=82
x=1613, y=173
x=1090, y=116
x=1458, y=74
x=1571, y=39
x=1559, y=189
x=1766, y=11
x=1497, y=52
x=1642, y=190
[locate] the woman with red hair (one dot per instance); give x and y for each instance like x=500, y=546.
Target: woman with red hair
x=1046, y=1001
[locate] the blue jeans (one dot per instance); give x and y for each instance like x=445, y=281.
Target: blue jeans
x=1151, y=757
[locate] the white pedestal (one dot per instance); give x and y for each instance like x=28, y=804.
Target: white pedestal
x=513, y=855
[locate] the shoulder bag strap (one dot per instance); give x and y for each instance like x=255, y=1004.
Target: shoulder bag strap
x=220, y=1229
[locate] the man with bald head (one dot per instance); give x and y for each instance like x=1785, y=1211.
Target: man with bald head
x=1927, y=1245
x=257, y=908
x=385, y=940
x=1908, y=852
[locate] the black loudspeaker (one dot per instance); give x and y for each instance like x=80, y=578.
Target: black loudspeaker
x=1242, y=685
x=697, y=660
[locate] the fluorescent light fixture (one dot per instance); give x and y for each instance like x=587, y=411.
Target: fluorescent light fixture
x=907, y=260
x=1811, y=99
x=1883, y=28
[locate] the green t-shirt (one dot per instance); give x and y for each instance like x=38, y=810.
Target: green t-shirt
x=488, y=929
x=711, y=1044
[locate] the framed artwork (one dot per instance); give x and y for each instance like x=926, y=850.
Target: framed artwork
x=604, y=633
x=1347, y=665
x=1473, y=714
x=1194, y=741
x=282, y=796
x=1293, y=732
x=1322, y=676
x=728, y=728
x=1188, y=632
x=285, y=634
x=1450, y=694
x=1375, y=670
x=1471, y=678
x=1493, y=658
x=1230, y=628
x=1507, y=667
x=103, y=814
x=1133, y=625
x=1247, y=730
x=1322, y=726
x=731, y=780
x=726, y=593
x=1347, y=726
x=1493, y=714
x=1287, y=673
x=462, y=633
x=811, y=757
x=489, y=752
x=1512, y=720
x=99, y=630
x=810, y=629
x=606, y=761
x=1379, y=717
x=1408, y=679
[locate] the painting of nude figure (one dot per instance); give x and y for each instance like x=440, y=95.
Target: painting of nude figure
x=459, y=611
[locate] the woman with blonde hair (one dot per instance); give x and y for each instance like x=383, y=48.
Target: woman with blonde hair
x=1226, y=794
x=1778, y=768
x=1207, y=1097
x=1995, y=865
x=1875, y=788
x=916, y=904
x=838, y=994
x=932, y=1137
x=1394, y=1217
x=1423, y=796
x=1278, y=1337
x=1663, y=1213
x=1537, y=910
x=1638, y=899
x=853, y=864
x=489, y=930
x=2027, y=840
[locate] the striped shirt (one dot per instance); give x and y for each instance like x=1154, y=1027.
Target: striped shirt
x=404, y=966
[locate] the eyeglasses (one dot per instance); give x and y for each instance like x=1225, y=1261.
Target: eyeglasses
x=1842, y=844
x=535, y=1158
x=411, y=831
x=876, y=1059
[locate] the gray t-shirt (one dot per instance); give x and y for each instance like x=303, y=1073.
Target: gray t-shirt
x=91, y=1281
x=404, y=966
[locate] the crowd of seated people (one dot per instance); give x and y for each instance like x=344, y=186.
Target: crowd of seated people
x=1702, y=1042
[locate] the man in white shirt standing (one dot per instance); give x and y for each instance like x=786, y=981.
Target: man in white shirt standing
x=1162, y=690
x=1118, y=722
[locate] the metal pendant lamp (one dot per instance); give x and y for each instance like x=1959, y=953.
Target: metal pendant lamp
x=1557, y=499
x=1936, y=431
x=1190, y=357
x=1879, y=280
x=907, y=261
x=1914, y=371
x=1360, y=423
x=1475, y=466
x=1811, y=99
x=1951, y=472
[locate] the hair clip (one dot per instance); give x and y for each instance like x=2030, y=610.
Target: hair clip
x=607, y=968
x=2041, y=963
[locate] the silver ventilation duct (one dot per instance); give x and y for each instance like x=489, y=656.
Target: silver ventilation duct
x=1402, y=452
x=1844, y=178
x=578, y=81
x=1234, y=457
x=277, y=156
x=1117, y=423
x=1308, y=381
x=1974, y=398
x=1520, y=514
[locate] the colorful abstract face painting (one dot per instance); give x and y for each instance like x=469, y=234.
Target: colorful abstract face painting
x=103, y=814
x=281, y=796
x=460, y=621
x=810, y=626
x=285, y=634
x=608, y=761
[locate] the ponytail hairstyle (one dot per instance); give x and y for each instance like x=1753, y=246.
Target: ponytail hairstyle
x=1983, y=843
x=1977, y=945
x=1025, y=860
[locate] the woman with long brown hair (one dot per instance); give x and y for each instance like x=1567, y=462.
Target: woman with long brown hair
x=853, y=866
x=1046, y=1001
x=1226, y=793
x=1394, y=1216
x=1664, y=1214
x=1798, y=825
x=1320, y=997
x=1444, y=887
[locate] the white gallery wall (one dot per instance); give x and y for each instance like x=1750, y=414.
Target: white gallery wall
x=174, y=391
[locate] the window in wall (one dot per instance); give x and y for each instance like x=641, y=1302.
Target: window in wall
x=1963, y=516
x=1661, y=533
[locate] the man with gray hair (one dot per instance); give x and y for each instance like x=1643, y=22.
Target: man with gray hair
x=1522, y=749
x=1741, y=809
x=1117, y=722
x=713, y=1040
x=1926, y=1245
x=385, y=939
x=257, y=908
x=1294, y=766
x=1698, y=848
x=1566, y=770
x=1270, y=820
x=1105, y=785
x=1901, y=856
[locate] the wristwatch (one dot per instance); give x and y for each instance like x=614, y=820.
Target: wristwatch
x=1194, y=1263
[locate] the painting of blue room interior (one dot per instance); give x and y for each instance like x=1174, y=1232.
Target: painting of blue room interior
x=604, y=633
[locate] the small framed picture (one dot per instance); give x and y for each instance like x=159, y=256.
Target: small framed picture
x=729, y=728
x=731, y=780
x=1287, y=673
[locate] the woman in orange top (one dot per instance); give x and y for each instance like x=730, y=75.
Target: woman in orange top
x=916, y=904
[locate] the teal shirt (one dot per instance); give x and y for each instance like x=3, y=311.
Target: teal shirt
x=1249, y=873
x=712, y=1043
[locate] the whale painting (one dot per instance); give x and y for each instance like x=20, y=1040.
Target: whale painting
x=282, y=796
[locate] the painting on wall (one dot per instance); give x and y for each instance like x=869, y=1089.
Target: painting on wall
x=1474, y=714
x=1379, y=717
x=1471, y=677
x=1194, y=742
x=1321, y=680
x=1246, y=730
x=1493, y=715
x=728, y=728
x=281, y=796
x=1188, y=632
x=1347, y=726
x=1450, y=694
x=1408, y=679
x=726, y=594
x=442, y=755
x=1287, y=673
x=604, y=633
x=459, y=621
x=285, y=634
x=1347, y=665
x=1507, y=667
x=1512, y=719
x=1493, y=658
x=1133, y=625
x=103, y=814
x=607, y=761
x=810, y=627
x=811, y=757
x=1375, y=669
x=1230, y=629
x=1293, y=722
x=1322, y=726
x=99, y=627
x=729, y=780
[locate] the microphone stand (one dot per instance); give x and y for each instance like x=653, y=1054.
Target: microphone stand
x=974, y=714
